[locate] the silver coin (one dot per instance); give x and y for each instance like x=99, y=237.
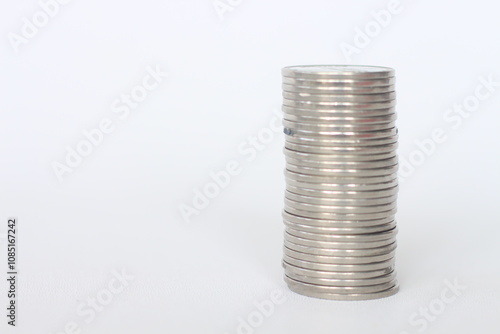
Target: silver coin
x=338, y=267
x=342, y=282
x=346, y=194
x=345, y=229
x=337, y=112
x=352, y=219
x=334, y=238
x=350, y=152
x=330, y=240
x=306, y=180
x=339, y=209
x=335, y=89
x=343, y=297
x=337, y=259
x=325, y=97
x=339, y=161
x=346, y=136
x=341, y=120
x=340, y=156
x=383, y=163
x=349, y=230
x=343, y=254
x=344, y=275
x=337, y=71
x=349, y=135
x=360, y=186
x=295, y=127
x=343, y=164
x=337, y=180
x=348, y=172
x=315, y=106
x=351, y=83
x=338, y=127
x=338, y=244
x=343, y=168
x=335, y=222
x=343, y=289
x=343, y=134
x=342, y=194
x=340, y=142
x=339, y=216
x=342, y=201
x=339, y=252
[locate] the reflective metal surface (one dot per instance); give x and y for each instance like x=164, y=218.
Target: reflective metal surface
x=341, y=181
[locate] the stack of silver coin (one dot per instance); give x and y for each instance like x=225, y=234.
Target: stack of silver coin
x=341, y=181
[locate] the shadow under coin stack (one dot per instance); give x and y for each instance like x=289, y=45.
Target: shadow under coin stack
x=341, y=181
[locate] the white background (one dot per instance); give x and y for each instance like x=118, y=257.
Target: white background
x=119, y=209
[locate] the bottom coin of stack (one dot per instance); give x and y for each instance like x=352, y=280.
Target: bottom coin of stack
x=341, y=181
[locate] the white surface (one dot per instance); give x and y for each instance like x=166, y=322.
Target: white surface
x=120, y=208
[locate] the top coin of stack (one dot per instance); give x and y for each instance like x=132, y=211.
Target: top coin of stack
x=341, y=181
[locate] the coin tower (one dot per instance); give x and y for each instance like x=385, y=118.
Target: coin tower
x=341, y=181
